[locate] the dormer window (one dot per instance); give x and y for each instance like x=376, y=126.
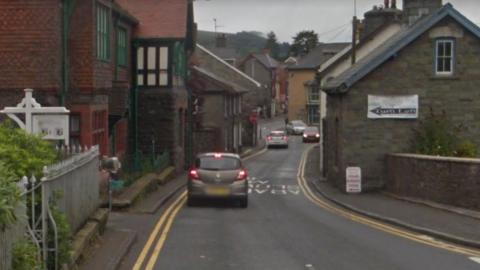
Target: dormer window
x=444, y=57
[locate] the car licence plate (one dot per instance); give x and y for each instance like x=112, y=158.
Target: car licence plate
x=218, y=191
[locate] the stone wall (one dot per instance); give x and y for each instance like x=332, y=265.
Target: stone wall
x=363, y=142
x=453, y=181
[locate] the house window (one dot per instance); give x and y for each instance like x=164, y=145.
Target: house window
x=313, y=94
x=153, y=66
x=313, y=114
x=75, y=129
x=121, y=46
x=102, y=32
x=444, y=55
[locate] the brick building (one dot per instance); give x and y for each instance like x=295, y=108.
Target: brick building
x=433, y=58
x=71, y=54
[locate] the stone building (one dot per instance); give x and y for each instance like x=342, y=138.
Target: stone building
x=228, y=82
x=432, y=62
x=261, y=67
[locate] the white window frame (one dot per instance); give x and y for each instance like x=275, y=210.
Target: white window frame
x=444, y=57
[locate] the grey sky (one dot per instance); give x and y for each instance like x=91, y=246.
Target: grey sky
x=330, y=18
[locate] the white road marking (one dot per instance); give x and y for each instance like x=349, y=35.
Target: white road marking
x=295, y=190
x=475, y=259
x=261, y=191
x=263, y=182
x=279, y=189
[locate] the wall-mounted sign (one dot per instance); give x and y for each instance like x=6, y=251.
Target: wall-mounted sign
x=51, y=126
x=354, y=180
x=393, y=107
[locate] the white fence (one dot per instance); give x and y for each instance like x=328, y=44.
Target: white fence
x=72, y=185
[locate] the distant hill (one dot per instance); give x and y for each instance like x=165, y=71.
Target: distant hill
x=243, y=42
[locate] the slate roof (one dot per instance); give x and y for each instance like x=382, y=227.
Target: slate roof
x=232, y=87
x=392, y=46
x=158, y=18
x=224, y=53
x=266, y=60
x=318, y=56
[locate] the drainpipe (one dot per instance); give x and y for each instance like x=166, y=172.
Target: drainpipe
x=67, y=10
x=354, y=40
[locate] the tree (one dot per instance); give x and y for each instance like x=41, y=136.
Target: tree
x=272, y=45
x=303, y=43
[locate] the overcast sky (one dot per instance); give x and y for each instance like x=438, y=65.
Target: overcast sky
x=329, y=18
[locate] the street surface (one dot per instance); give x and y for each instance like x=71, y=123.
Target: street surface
x=284, y=227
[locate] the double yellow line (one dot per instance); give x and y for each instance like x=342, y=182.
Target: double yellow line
x=159, y=232
x=372, y=223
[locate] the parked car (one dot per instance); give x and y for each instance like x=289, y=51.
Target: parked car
x=217, y=175
x=277, y=138
x=311, y=134
x=296, y=127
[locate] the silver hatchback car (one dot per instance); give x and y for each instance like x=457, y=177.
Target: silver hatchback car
x=218, y=175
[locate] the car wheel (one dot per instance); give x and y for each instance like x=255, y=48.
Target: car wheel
x=244, y=202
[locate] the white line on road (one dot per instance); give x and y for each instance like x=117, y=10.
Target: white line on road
x=475, y=259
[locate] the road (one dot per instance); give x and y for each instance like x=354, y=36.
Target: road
x=284, y=227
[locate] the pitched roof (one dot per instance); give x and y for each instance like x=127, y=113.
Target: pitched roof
x=230, y=86
x=318, y=55
x=224, y=53
x=158, y=18
x=393, y=45
x=266, y=60
x=124, y=13
x=226, y=65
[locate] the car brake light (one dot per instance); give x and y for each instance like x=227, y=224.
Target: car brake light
x=284, y=138
x=217, y=155
x=193, y=174
x=269, y=138
x=304, y=135
x=242, y=175
x=317, y=135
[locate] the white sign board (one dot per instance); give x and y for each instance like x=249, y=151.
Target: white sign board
x=354, y=180
x=51, y=126
x=393, y=107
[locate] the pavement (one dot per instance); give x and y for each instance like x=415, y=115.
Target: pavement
x=453, y=224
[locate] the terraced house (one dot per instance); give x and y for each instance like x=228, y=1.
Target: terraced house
x=72, y=53
x=97, y=58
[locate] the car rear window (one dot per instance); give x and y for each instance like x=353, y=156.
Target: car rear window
x=277, y=133
x=218, y=164
x=298, y=124
x=311, y=129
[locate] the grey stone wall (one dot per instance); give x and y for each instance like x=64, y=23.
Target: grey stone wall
x=365, y=142
x=452, y=181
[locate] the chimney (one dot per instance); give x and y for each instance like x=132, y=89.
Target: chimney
x=377, y=17
x=416, y=9
x=221, y=41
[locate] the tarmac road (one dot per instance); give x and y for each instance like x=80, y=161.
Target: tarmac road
x=284, y=227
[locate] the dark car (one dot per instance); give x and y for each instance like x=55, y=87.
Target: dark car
x=311, y=134
x=218, y=175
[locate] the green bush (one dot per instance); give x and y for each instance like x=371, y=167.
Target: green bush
x=466, y=149
x=437, y=136
x=25, y=256
x=22, y=153
x=9, y=197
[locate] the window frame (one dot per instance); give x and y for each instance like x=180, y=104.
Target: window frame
x=310, y=94
x=444, y=57
x=122, y=49
x=103, y=32
x=157, y=71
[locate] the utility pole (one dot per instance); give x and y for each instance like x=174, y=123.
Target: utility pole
x=354, y=33
x=216, y=26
